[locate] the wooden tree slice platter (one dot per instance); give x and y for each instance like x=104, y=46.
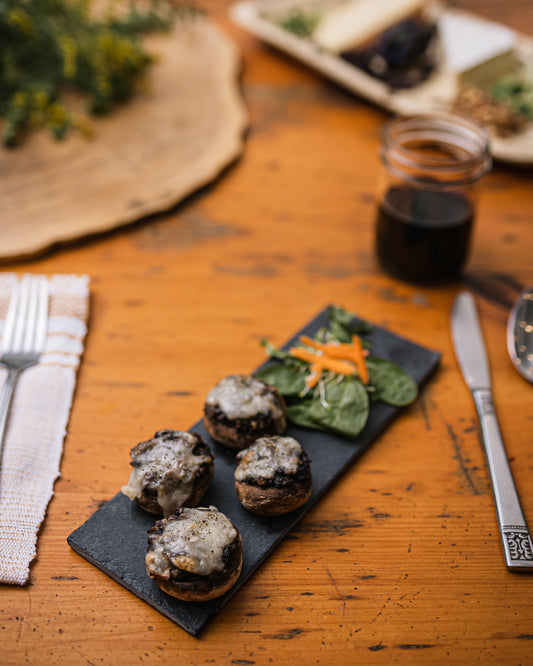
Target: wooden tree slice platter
x=175, y=136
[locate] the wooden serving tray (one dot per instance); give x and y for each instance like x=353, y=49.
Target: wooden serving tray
x=174, y=137
x=115, y=537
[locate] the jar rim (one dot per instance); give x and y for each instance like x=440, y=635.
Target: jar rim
x=464, y=156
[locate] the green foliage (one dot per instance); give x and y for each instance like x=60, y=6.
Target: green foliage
x=390, y=383
x=337, y=403
x=287, y=377
x=300, y=23
x=340, y=405
x=517, y=93
x=51, y=47
x=343, y=325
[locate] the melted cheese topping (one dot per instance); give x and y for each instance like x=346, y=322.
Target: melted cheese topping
x=170, y=465
x=243, y=396
x=267, y=456
x=195, y=542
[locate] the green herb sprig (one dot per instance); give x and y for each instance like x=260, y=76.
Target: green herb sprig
x=517, y=93
x=299, y=22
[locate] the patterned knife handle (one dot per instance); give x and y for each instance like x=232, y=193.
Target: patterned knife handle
x=514, y=532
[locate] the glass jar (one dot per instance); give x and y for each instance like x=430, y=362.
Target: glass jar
x=427, y=198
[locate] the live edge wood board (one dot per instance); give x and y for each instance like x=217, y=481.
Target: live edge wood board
x=178, y=134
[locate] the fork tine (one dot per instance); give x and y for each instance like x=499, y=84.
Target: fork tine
x=11, y=317
x=22, y=314
x=26, y=323
x=41, y=327
x=24, y=337
x=31, y=317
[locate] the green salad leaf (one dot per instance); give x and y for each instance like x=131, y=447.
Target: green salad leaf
x=342, y=408
x=391, y=383
x=338, y=403
x=288, y=378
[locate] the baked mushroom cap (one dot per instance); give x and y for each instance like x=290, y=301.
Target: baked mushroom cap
x=241, y=408
x=171, y=470
x=273, y=476
x=194, y=555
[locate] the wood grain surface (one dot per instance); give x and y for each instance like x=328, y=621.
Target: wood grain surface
x=401, y=561
x=185, y=127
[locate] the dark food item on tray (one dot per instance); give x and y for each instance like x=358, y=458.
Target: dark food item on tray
x=241, y=408
x=401, y=56
x=273, y=476
x=194, y=555
x=171, y=470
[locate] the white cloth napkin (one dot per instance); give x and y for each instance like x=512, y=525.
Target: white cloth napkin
x=38, y=421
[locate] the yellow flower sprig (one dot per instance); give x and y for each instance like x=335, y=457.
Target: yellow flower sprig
x=49, y=46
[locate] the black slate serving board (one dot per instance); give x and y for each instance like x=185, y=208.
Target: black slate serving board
x=114, y=538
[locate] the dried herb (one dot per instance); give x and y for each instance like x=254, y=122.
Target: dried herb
x=49, y=48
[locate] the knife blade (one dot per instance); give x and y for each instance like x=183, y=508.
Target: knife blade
x=472, y=359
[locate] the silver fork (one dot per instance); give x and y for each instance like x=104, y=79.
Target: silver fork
x=24, y=336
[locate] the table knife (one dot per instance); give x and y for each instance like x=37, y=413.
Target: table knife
x=472, y=359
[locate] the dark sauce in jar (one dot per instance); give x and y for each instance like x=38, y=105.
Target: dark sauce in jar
x=422, y=236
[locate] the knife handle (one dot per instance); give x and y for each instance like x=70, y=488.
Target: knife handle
x=514, y=532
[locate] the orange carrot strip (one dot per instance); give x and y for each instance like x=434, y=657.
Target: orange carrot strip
x=349, y=352
x=335, y=350
x=360, y=359
x=337, y=365
x=335, y=357
x=325, y=363
x=312, y=379
x=303, y=354
x=311, y=343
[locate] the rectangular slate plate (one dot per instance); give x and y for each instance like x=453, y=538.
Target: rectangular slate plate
x=114, y=539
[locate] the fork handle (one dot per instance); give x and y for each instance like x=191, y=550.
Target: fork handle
x=5, y=401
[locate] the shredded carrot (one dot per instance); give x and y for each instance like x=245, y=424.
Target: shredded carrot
x=342, y=367
x=312, y=379
x=321, y=362
x=334, y=349
x=348, y=352
x=360, y=360
x=316, y=371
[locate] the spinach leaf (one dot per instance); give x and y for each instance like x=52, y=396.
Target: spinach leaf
x=340, y=316
x=298, y=413
x=344, y=324
x=393, y=385
x=288, y=378
x=342, y=407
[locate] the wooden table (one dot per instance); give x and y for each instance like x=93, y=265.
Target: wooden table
x=401, y=561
